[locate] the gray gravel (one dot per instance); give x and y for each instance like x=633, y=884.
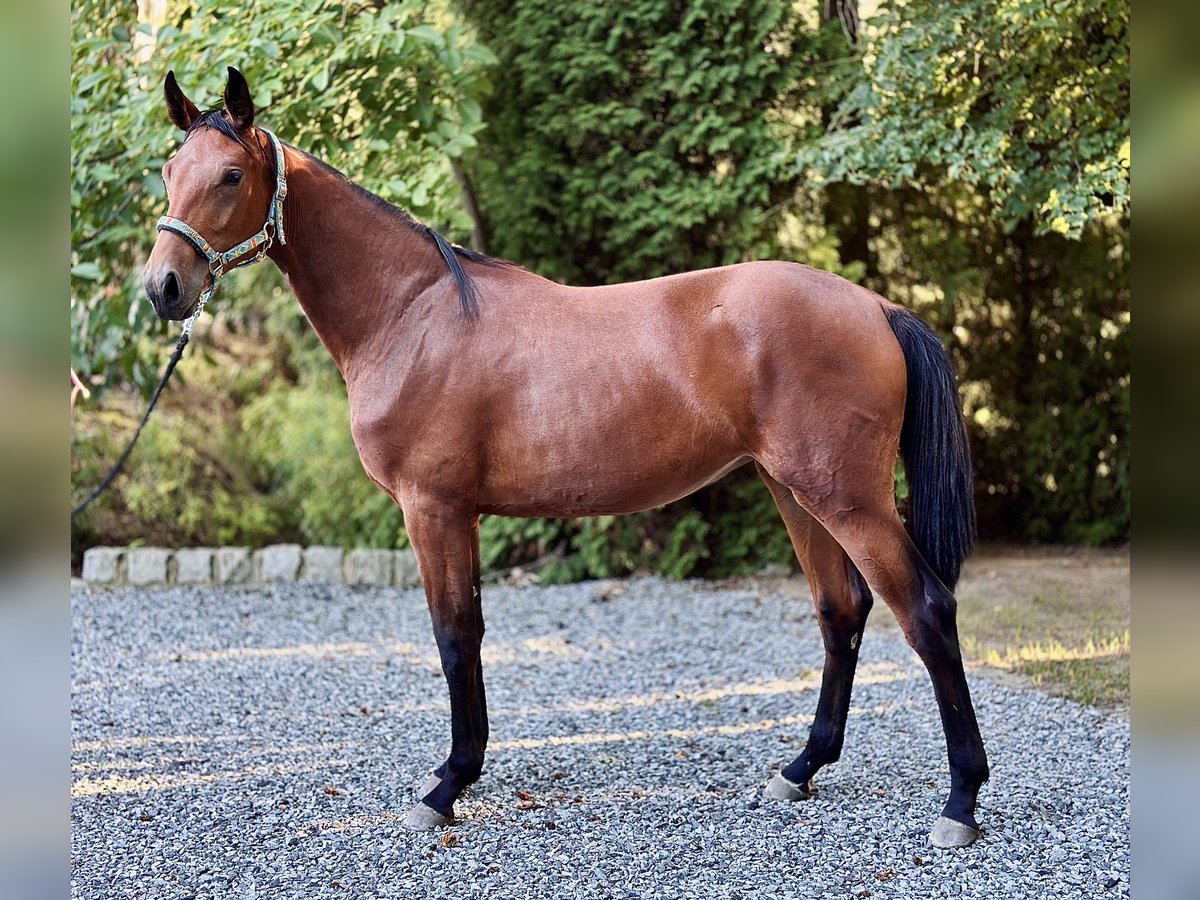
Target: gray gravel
x=263, y=743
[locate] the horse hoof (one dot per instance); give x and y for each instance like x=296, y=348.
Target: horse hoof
x=948, y=834
x=779, y=788
x=428, y=785
x=424, y=818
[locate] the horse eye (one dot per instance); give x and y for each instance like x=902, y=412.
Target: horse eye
x=232, y=177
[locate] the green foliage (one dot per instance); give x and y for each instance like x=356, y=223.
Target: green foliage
x=968, y=160
x=300, y=435
x=747, y=532
x=1026, y=100
x=1053, y=452
x=237, y=456
x=627, y=140
x=1040, y=327
x=188, y=482
x=375, y=90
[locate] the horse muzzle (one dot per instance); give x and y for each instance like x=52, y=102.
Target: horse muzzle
x=169, y=294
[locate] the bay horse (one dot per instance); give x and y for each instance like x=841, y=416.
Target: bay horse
x=477, y=387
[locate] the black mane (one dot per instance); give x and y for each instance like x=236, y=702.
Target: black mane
x=453, y=254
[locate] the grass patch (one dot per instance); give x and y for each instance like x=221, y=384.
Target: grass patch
x=1096, y=682
x=1059, y=620
x=1096, y=673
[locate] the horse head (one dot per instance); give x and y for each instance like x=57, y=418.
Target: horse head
x=222, y=186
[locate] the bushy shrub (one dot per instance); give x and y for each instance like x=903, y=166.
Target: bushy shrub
x=189, y=481
x=300, y=435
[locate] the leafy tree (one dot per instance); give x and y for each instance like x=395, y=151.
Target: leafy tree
x=1040, y=328
x=374, y=89
x=1026, y=100
x=990, y=141
x=627, y=140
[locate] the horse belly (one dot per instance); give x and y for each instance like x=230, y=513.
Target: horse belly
x=597, y=465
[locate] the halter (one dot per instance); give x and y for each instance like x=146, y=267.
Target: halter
x=219, y=263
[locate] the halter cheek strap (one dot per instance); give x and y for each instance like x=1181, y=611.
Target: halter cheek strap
x=220, y=262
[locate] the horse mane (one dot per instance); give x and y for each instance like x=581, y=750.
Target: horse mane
x=451, y=253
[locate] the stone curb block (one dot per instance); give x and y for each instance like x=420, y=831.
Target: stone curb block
x=103, y=565
x=370, y=567
x=147, y=566
x=194, y=565
x=322, y=564
x=233, y=565
x=279, y=562
x=407, y=574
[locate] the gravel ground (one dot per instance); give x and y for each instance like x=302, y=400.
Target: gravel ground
x=263, y=743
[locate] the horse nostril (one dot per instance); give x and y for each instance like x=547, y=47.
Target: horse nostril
x=170, y=291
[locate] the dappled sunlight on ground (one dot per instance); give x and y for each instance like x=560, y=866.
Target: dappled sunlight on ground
x=123, y=784
x=614, y=737
x=97, y=774
x=105, y=776
x=876, y=673
x=495, y=653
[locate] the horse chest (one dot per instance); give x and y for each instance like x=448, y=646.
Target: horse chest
x=402, y=449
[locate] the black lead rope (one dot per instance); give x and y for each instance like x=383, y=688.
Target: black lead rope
x=116, y=469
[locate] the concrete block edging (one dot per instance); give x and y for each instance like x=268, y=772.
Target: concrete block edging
x=157, y=566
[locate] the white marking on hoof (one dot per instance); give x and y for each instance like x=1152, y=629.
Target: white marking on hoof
x=948, y=834
x=428, y=785
x=424, y=818
x=779, y=788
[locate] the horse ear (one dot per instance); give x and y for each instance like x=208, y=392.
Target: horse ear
x=237, y=99
x=182, y=111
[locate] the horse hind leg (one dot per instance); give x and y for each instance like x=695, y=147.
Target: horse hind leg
x=876, y=541
x=842, y=601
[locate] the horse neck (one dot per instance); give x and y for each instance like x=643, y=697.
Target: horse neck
x=354, y=265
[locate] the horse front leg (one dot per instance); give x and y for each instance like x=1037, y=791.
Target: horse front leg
x=447, y=549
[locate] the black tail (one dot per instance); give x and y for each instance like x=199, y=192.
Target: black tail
x=933, y=443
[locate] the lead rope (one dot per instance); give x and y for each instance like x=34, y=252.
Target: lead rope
x=171, y=363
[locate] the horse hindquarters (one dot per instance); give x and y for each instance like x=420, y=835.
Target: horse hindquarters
x=851, y=497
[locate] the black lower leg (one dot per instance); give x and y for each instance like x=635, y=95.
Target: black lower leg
x=479, y=706
x=828, y=729
x=481, y=722
x=935, y=638
x=460, y=663
x=842, y=628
